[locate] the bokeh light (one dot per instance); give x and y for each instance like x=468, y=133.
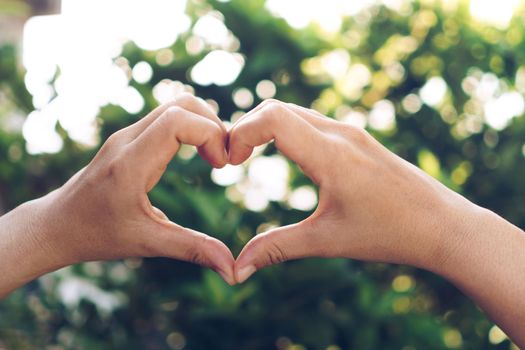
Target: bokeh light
x=219, y=67
x=439, y=82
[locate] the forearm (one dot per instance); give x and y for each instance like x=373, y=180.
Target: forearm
x=25, y=252
x=485, y=258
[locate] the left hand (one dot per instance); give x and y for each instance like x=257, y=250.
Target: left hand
x=373, y=205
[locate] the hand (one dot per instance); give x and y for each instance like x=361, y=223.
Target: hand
x=103, y=212
x=373, y=205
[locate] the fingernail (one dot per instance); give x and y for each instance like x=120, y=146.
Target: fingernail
x=225, y=277
x=225, y=156
x=244, y=273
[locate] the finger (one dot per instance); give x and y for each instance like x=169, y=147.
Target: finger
x=155, y=147
x=176, y=242
x=186, y=101
x=317, y=120
x=294, y=137
x=275, y=246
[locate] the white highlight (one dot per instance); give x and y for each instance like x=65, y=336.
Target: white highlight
x=219, y=67
x=270, y=174
x=243, y=98
x=265, y=89
x=433, y=92
x=212, y=29
x=142, y=72
x=497, y=13
x=82, y=42
x=228, y=175
x=327, y=14
x=382, y=116
x=267, y=181
x=74, y=289
x=500, y=111
x=40, y=127
x=303, y=198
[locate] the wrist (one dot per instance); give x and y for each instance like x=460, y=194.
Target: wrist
x=468, y=232
x=27, y=249
x=441, y=231
x=49, y=231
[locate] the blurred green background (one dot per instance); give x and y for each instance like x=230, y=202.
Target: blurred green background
x=441, y=83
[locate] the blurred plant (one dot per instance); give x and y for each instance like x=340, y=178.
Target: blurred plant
x=437, y=87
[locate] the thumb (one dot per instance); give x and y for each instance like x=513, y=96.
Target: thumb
x=177, y=242
x=276, y=246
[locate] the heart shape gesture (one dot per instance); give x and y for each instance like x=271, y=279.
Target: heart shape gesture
x=373, y=205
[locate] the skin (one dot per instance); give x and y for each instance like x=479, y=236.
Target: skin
x=103, y=212
x=375, y=206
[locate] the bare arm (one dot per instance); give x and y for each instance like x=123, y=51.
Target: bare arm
x=375, y=206
x=488, y=264
x=103, y=212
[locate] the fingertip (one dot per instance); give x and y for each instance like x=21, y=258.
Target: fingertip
x=225, y=158
x=244, y=265
x=235, y=147
x=216, y=159
x=228, y=277
x=234, y=160
x=238, y=154
x=222, y=261
x=244, y=272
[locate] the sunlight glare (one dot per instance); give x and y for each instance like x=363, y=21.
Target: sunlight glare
x=500, y=111
x=84, y=53
x=497, y=13
x=327, y=14
x=219, y=67
x=40, y=129
x=212, y=29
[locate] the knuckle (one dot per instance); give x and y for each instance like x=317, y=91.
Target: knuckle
x=357, y=135
x=235, y=136
x=186, y=100
x=273, y=112
x=115, y=139
x=274, y=253
x=173, y=111
x=273, y=105
x=172, y=118
x=196, y=252
x=117, y=169
x=270, y=102
x=214, y=131
x=181, y=100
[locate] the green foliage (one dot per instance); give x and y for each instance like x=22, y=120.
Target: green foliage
x=314, y=303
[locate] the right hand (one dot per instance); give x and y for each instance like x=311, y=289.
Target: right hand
x=103, y=212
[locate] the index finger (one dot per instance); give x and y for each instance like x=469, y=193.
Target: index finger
x=155, y=147
x=186, y=101
x=294, y=137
